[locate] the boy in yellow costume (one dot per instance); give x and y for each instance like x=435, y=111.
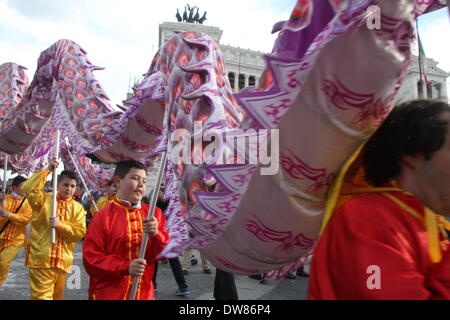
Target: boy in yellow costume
x=14, y=218
x=49, y=263
x=105, y=200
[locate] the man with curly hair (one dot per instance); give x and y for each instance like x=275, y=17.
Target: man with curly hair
x=386, y=238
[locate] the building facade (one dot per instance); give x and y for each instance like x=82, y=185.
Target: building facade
x=413, y=88
x=245, y=66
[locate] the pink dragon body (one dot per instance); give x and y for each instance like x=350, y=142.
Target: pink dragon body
x=318, y=90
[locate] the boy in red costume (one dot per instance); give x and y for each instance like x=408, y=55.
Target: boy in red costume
x=112, y=243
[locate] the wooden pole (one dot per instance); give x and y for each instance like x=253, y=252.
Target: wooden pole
x=151, y=211
x=81, y=178
x=5, y=169
x=55, y=186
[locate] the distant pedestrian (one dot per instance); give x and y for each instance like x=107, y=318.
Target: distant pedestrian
x=225, y=286
x=187, y=258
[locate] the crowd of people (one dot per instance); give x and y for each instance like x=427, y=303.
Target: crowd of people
x=111, y=242
x=384, y=234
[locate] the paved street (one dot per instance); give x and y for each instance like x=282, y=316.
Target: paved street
x=200, y=284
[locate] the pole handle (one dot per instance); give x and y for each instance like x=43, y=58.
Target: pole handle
x=55, y=187
x=5, y=169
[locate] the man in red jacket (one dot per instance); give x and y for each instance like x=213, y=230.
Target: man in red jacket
x=386, y=238
x=112, y=243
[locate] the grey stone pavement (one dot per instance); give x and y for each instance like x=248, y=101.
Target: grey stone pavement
x=201, y=285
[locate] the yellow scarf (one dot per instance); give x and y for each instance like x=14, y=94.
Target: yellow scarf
x=342, y=190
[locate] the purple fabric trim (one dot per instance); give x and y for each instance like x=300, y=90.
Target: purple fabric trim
x=268, y=107
x=205, y=213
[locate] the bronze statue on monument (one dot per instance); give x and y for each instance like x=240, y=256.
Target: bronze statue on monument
x=190, y=17
x=178, y=16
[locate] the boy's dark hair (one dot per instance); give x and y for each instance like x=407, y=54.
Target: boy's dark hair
x=123, y=167
x=110, y=182
x=411, y=128
x=68, y=174
x=17, y=181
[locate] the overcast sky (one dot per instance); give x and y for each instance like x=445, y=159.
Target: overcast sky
x=122, y=36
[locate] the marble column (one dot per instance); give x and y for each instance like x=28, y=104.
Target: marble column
x=236, y=83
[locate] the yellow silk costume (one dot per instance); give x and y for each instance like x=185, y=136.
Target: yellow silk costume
x=41, y=253
x=6, y=256
x=14, y=234
x=101, y=203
